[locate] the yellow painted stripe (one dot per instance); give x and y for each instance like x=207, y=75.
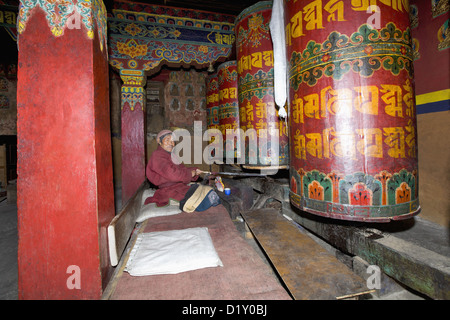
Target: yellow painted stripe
x=433, y=96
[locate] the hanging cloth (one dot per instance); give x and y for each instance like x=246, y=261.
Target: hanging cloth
x=279, y=56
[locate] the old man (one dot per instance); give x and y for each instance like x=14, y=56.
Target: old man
x=170, y=178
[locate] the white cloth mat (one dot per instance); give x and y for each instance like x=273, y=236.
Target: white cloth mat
x=151, y=210
x=171, y=252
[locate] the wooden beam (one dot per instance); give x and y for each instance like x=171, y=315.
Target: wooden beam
x=120, y=228
x=307, y=269
x=122, y=263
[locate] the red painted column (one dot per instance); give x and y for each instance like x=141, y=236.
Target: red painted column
x=133, y=131
x=65, y=182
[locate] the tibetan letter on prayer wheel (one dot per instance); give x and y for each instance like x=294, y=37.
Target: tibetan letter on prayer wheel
x=257, y=112
x=212, y=111
x=212, y=102
x=229, y=108
x=352, y=110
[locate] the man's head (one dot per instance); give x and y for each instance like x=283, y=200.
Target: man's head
x=165, y=140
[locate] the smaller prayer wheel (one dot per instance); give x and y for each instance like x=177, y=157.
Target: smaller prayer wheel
x=229, y=108
x=258, y=114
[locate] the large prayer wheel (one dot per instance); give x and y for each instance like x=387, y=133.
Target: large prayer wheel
x=257, y=112
x=229, y=108
x=352, y=112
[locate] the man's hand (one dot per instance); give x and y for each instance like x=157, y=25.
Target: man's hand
x=196, y=172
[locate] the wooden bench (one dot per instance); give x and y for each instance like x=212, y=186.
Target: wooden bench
x=306, y=268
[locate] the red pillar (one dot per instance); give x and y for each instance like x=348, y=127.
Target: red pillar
x=133, y=132
x=65, y=181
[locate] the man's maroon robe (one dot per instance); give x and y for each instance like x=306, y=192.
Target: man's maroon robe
x=170, y=178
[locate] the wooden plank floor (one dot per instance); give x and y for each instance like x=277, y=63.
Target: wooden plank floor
x=415, y=252
x=307, y=269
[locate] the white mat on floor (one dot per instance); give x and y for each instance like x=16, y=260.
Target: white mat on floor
x=171, y=252
x=151, y=210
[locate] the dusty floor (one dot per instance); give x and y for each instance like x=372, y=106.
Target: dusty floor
x=8, y=249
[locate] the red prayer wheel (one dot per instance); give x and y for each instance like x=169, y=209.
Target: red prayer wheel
x=352, y=111
x=257, y=112
x=228, y=107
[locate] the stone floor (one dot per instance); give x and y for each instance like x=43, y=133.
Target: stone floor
x=8, y=251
